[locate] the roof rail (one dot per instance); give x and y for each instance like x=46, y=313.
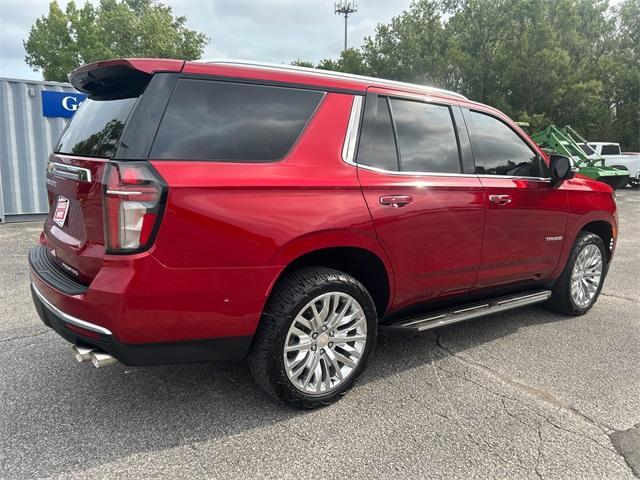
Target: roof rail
x=328, y=73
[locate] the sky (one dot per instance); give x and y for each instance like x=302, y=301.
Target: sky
x=266, y=30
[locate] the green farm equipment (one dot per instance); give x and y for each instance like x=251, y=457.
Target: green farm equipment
x=565, y=141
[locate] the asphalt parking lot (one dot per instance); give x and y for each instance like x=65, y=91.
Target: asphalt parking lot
x=526, y=394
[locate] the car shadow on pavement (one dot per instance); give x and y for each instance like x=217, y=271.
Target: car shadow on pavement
x=98, y=416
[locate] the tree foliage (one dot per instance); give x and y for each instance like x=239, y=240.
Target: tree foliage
x=63, y=40
x=544, y=61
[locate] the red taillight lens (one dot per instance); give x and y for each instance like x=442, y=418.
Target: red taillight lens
x=132, y=202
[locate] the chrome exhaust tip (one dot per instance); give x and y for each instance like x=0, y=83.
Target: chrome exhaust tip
x=82, y=354
x=102, y=359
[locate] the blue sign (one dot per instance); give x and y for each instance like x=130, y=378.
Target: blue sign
x=61, y=104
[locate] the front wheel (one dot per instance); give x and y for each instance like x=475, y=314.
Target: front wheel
x=315, y=336
x=581, y=281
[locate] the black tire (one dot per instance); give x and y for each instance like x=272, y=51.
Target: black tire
x=290, y=295
x=561, y=300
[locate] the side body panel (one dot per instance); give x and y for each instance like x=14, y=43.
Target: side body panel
x=434, y=243
x=244, y=223
x=523, y=239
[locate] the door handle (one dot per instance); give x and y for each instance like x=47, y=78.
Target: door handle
x=396, y=201
x=500, y=199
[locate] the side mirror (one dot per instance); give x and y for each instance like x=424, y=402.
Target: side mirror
x=561, y=169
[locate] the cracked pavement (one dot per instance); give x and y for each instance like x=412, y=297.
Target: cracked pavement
x=523, y=394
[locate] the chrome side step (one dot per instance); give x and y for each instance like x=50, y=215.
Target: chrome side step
x=466, y=312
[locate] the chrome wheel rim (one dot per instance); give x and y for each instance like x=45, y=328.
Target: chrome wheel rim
x=325, y=343
x=586, y=275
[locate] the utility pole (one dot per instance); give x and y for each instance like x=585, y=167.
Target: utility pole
x=344, y=7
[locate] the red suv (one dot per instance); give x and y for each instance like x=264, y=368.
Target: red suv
x=203, y=211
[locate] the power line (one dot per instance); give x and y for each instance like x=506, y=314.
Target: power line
x=344, y=7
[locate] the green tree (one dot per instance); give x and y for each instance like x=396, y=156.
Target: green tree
x=623, y=80
x=411, y=47
x=546, y=61
x=63, y=40
x=350, y=61
x=302, y=63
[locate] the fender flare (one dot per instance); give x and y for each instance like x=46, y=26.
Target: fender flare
x=327, y=239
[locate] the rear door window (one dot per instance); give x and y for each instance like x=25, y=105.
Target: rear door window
x=426, y=137
x=224, y=121
x=96, y=128
x=498, y=150
x=377, y=144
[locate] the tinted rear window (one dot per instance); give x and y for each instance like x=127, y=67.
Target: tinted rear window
x=96, y=128
x=210, y=120
x=377, y=143
x=610, y=150
x=426, y=138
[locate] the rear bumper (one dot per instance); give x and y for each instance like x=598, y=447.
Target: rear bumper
x=145, y=313
x=80, y=332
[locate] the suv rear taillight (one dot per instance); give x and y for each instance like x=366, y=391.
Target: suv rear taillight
x=133, y=200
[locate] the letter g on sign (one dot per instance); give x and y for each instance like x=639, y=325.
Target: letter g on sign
x=70, y=103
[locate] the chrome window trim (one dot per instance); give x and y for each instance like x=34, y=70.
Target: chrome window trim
x=512, y=177
x=437, y=174
x=351, y=137
x=414, y=174
x=351, y=140
x=69, y=171
x=68, y=318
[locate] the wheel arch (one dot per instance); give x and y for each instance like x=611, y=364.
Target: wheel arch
x=605, y=231
x=364, y=264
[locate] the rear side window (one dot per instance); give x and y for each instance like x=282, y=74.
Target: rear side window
x=498, y=150
x=377, y=143
x=96, y=128
x=426, y=137
x=223, y=121
x=610, y=150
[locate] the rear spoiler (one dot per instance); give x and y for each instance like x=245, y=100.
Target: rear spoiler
x=120, y=78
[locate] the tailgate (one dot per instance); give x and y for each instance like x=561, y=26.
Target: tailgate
x=74, y=227
x=74, y=231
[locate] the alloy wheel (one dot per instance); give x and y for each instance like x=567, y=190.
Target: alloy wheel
x=586, y=275
x=325, y=343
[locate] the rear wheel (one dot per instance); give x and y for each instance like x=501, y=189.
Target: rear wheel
x=581, y=281
x=316, y=334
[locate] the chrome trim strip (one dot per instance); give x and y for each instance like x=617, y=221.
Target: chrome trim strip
x=543, y=295
x=513, y=177
x=409, y=174
x=68, y=318
x=351, y=137
x=69, y=171
x=123, y=192
x=428, y=319
x=442, y=174
x=470, y=309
